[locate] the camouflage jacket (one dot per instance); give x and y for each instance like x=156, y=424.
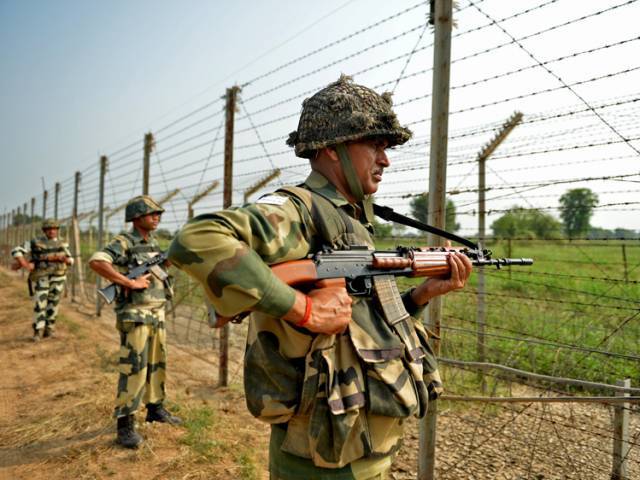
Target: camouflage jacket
x=37, y=251
x=343, y=397
x=125, y=251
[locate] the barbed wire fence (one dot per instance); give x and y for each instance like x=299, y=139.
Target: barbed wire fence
x=565, y=331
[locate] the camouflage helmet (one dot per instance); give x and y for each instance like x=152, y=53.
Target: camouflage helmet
x=345, y=111
x=50, y=223
x=141, y=206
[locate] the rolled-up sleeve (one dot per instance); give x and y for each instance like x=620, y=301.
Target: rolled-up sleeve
x=113, y=252
x=21, y=250
x=229, y=254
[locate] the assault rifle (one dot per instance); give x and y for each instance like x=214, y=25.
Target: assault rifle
x=52, y=258
x=152, y=266
x=356, y=268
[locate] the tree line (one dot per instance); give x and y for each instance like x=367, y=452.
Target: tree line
x=576, y=210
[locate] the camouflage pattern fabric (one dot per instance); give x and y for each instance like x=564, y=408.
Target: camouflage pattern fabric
x=37, y=251
x=140, y=321
x=124, y=251
x=48, y=277
x=142, y=364
x=50, y=223
x=344, y=111
x=47, y=292
x=342, y=397
x=284, y=466
x=140, y=206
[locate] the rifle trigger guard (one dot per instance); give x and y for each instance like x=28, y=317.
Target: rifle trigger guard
x=363, y=288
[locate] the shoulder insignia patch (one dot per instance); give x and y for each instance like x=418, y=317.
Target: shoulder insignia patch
x=273, y=199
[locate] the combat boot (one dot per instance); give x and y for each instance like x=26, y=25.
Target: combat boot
x=37, y=335
x=127, y=435
x=157, y=413
x=48, y=332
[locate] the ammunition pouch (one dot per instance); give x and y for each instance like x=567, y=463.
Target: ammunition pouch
x=354, y=389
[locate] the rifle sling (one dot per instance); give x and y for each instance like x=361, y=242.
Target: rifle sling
x=390, y=215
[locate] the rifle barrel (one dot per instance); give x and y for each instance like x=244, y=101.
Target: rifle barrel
x=500, y=262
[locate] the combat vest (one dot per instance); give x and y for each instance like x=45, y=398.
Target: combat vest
x=41, y=247
x=136, y=254
x=342, y=397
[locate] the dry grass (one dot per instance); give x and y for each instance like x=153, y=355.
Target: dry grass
x=57, y=397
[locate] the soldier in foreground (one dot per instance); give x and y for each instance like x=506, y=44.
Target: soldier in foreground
x=334, y=375
x=46, y=258
x=139, y=319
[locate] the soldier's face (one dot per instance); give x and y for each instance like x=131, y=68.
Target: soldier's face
x=51, y=233
x=148, y=222
x=369, y=161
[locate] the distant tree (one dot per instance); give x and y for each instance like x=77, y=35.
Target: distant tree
x=383, y=230
x=543, y=225
x=509, y=225
x=576, y=209
x=420, y=211
x=399, y=230
x=625, y=233
x=519, y=222
x=21, y=219
x=597, y=233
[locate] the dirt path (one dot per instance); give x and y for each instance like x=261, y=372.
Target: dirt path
x=56, y=402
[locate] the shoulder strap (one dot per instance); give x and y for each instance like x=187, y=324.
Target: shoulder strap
x=328, y=220
x=390, y=215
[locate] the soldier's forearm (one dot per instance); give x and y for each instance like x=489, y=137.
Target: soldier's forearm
x=22, y=261
x=106, y=270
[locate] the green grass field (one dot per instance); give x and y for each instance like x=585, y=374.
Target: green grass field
x=571, y=314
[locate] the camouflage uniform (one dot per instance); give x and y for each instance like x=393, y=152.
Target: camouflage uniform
x=336, y=403
x=140, y=321
x=47, y=279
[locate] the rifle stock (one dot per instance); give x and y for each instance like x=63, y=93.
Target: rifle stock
x=108, y=293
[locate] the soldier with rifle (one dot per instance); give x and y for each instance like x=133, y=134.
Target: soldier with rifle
x=46, y=258
x=335, y=374
x=140, y=311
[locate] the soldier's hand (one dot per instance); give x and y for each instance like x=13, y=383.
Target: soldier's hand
x=330, y=311
x=460, y=266
x=31, y=266
x=139, y=283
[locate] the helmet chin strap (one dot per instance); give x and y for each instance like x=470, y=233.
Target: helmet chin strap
x=349, y=172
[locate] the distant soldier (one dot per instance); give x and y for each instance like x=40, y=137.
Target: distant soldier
x=46, y=258
x=139, y=319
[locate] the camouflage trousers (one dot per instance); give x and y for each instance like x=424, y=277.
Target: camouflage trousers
x=284, y=466
x=142, y=364
x=47, y=292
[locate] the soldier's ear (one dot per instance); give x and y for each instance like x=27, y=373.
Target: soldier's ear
x=331, y=154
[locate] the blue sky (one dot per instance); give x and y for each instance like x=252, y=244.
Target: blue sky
x=85, y=78
x=81, y=76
